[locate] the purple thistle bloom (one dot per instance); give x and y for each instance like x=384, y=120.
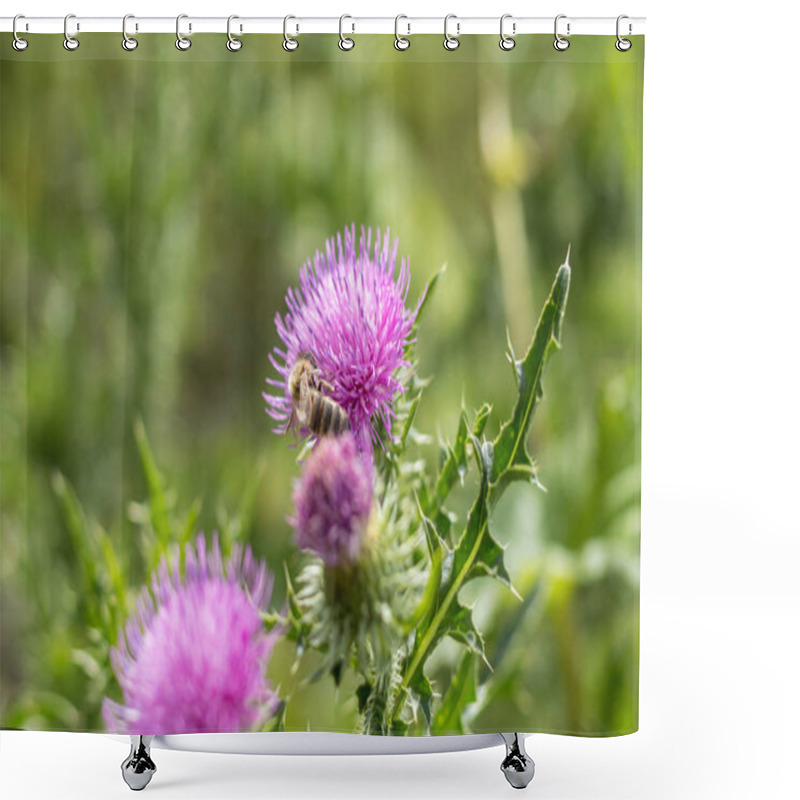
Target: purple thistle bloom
x=192, y=657
x=333, y=500
x=350, y=314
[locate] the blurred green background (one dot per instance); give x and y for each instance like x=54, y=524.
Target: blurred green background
x=154, y=213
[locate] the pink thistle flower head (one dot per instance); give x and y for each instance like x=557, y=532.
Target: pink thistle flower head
x=350, y=315
x=333, y=500
x=192, y=658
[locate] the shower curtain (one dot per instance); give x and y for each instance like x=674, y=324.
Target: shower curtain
x=320, y=386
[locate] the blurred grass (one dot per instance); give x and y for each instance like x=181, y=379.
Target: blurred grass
x=152, y=215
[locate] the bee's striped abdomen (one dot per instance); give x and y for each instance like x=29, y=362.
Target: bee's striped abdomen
x=317, y=401
x=327, y=416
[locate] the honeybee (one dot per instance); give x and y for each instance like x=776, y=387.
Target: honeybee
x=311, y=408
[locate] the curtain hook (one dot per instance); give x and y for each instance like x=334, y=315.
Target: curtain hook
x=623, y=45
x=560, y=43
x=507, y=42
x=70, y=42
x=290, y=43
x=18, y=44
x=181, y=42
x=233, y=44
x=128, y=42
x=345, y=42
x=451, y=42
x=401, y=42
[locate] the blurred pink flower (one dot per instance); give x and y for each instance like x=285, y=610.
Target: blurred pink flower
x=192, y=658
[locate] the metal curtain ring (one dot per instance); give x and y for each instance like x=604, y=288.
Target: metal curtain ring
x=128, y=42
x=451, y=42
x=345, y=42
x=290, y=44
x=401, y=42
x=70, y=42
x=181, y=42
x=233, y=44
x=623, y=45
x=506, y=42
x=560, y=43
x=18, y=44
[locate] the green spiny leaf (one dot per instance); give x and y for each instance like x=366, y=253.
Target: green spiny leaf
x=481, y=419
x=454, y=464
x=453, y=467
x=461, y=627
x=510, y=445
x=448, y=614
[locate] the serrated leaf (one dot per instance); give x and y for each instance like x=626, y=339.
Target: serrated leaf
x=519, y=472
x=510, y=449
x=455, y=457
x=452, y=468
x=499, y=462
x=461, y=627
x=489, y=561
x=480, y=420
x=461, y=693
x=448, y=616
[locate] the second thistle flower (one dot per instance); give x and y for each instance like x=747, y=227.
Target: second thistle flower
x=333, y=500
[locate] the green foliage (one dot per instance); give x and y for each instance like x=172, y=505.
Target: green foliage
x=511, y=460
x=476, y=552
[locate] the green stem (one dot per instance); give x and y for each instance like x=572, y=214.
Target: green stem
x=430, y=635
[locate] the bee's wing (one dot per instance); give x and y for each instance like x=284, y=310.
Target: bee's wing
x=302, y=409
x=319, y=382
x=291, y=423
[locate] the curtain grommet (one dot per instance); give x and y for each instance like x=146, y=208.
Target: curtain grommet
x=71, y=43
x=560, y=43
x=451, y=43
x=129, y=43
x=346, y=43
x=182, y=42
x=401, y=43
x=18, y=43
x=622, y=44
x=507, y=42
x=233, y=44
x=290, y=43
